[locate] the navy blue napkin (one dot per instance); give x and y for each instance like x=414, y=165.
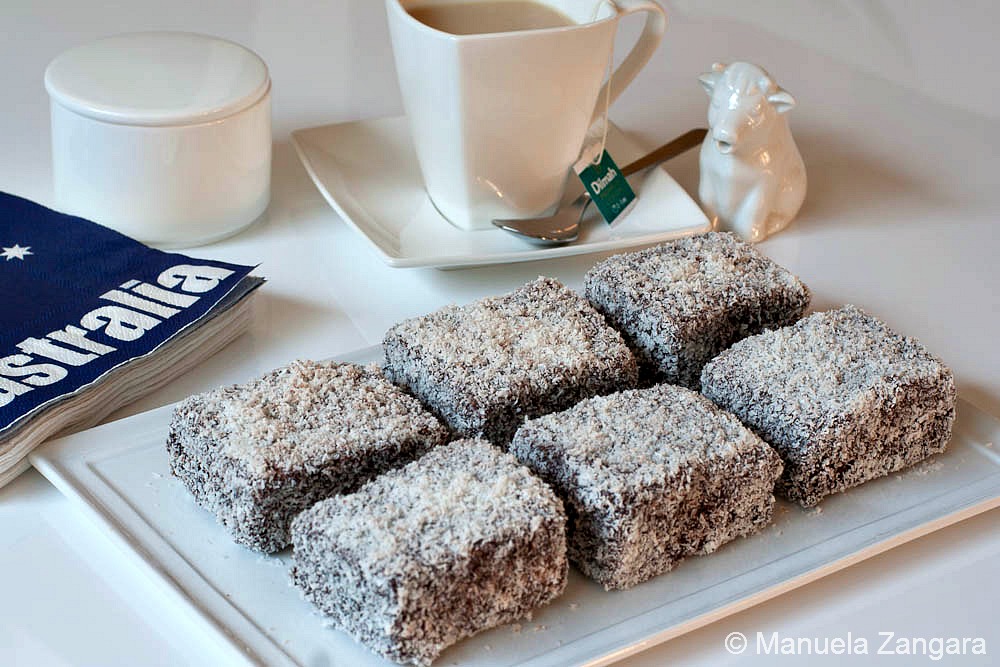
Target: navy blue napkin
x=78, y=299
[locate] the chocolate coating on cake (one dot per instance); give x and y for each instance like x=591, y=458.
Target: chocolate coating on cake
x=459, y=541
x=681, y=303
x=258, y=453
x=842, y=397
x=487, y=366
x=648, y=477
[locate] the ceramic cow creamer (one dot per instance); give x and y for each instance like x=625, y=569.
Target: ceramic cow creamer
x=753, y=180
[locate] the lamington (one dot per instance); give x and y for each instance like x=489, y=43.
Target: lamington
x=649, y=477
x=681, y=303
x=840, y=396
x=461, y=540
x=487, y=366
x=257, y=454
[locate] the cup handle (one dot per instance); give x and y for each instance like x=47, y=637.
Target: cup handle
x=649, y=40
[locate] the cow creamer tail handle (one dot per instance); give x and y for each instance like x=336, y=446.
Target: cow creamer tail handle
x=649, y=41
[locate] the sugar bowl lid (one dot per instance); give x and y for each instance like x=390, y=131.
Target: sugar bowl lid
x=157, y=78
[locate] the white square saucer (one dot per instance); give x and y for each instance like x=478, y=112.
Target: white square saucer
x=368, y=172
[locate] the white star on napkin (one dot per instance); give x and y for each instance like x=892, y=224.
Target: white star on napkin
x=17, y=252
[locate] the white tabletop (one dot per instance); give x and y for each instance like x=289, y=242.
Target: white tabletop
x=898, y=124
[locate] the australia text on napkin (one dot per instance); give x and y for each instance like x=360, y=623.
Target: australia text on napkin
x=139, y=307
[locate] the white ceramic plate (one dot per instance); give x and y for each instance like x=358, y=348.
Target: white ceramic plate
x=368, y=172
x=119, y=474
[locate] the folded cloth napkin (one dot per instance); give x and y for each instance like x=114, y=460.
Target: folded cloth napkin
x=91, y=320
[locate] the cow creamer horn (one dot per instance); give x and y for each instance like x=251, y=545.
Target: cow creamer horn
x=753, y=180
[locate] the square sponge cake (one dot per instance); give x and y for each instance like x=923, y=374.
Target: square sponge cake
x=840, y=396
x=649, y=477
x=257, y=454
x=681, y=303
x=459, y=541
x=487, y=366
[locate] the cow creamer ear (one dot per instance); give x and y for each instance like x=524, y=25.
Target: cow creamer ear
x=782, y=101
x=719, y=67
x=708, y=81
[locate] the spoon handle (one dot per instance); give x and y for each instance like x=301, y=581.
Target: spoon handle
x=688, y=140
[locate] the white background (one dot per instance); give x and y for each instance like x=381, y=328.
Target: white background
x=898, y=124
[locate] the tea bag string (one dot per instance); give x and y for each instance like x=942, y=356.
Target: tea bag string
x=607, y=88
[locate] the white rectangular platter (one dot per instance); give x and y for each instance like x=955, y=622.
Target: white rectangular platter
x=119, y=474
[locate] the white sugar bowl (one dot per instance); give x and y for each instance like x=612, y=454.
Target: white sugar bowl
x=163, y=136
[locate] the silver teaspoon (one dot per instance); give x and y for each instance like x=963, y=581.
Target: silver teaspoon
x=564, y=225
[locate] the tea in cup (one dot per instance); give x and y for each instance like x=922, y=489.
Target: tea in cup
x=500, y=94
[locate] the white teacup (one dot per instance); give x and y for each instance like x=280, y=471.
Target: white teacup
x=498, y=119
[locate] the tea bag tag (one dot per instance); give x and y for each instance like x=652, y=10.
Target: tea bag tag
x=607, y=186
x=597, y=170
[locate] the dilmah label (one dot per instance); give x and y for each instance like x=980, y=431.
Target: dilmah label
x=607, y=187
